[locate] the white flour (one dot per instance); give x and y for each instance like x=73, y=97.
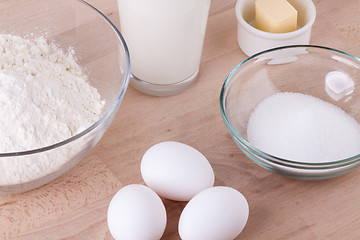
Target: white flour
x=45, y=98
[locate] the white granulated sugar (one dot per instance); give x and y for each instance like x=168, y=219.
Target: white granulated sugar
x=300, y=127
x=45, y=98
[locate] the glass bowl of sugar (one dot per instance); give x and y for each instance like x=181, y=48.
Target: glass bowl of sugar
x=64, y=70
x=295, y=110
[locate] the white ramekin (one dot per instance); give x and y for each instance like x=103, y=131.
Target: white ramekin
x=252, y=40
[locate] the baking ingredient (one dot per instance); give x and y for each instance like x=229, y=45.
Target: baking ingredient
x=136, y=213
x=300, y=127
x=45, y=98
x=176, y=171
x=275, y=16
x=213, y=214
x=165, y=38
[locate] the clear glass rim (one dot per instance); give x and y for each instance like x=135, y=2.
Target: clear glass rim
x=269, y=157
x=106, y=115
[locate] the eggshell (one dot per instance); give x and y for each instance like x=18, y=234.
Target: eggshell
x=136, y=213
x=176, y=171
x=218, y=213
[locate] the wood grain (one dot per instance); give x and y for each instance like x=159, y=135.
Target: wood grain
x=74, y=206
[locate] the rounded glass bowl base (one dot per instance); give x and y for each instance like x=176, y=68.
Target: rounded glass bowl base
x=163, y=90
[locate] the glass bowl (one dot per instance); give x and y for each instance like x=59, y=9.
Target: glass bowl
x=324, y=73
x=100, y=50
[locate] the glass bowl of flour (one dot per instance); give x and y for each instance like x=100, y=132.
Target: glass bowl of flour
x=295, y=110
x=64, y=70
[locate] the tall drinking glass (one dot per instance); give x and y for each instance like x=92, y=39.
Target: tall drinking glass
x=165, y=40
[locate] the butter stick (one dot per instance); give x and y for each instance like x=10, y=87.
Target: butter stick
x=275, y=16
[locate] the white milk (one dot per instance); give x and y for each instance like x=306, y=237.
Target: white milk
x=165, y=37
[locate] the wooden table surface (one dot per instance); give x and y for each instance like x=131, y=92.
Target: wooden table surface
x=75, y=205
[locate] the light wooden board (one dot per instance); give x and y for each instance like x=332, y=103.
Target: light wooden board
x=74, y=206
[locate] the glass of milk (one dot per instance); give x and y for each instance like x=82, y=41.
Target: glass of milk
x=165, y=40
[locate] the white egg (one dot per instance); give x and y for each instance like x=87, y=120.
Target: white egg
x=136, y=213
x=217, y=213
x=176, y=171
